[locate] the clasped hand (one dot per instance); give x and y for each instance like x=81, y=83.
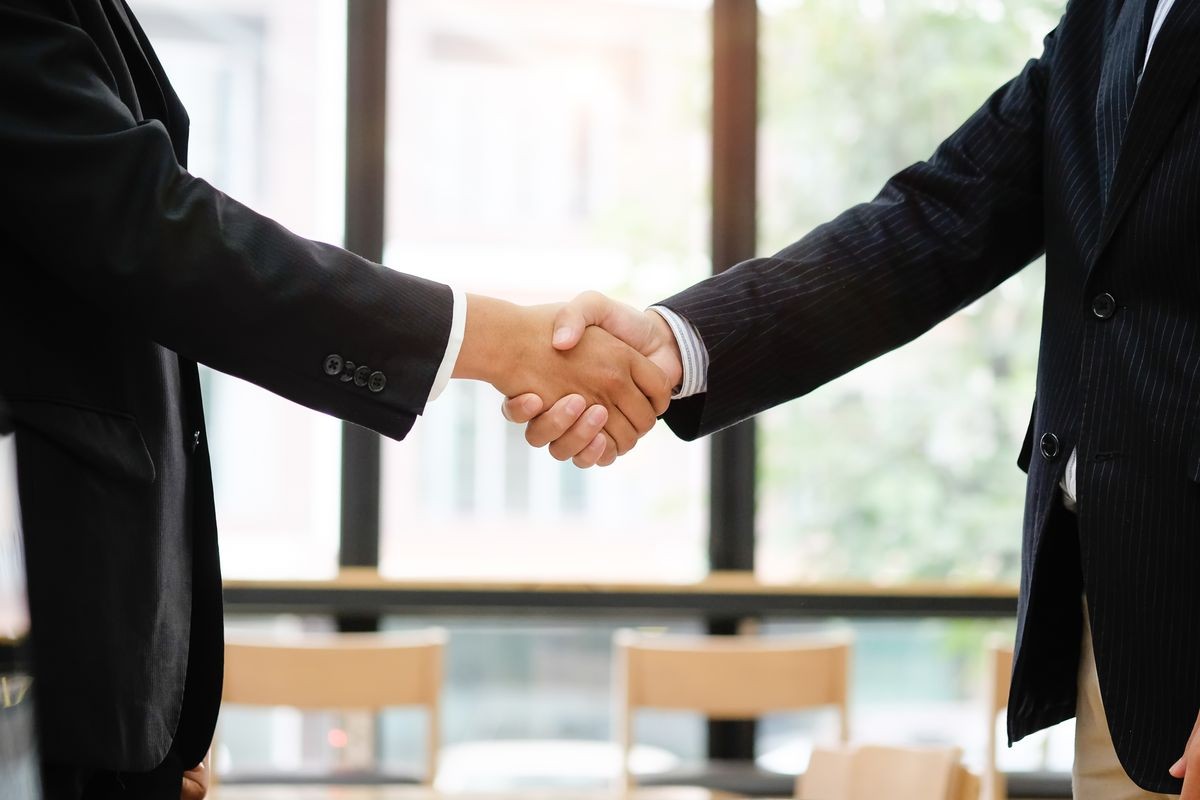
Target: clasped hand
x=590, y=396
x=596, y=435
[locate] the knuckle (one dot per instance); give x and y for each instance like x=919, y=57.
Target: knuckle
x=612, y=377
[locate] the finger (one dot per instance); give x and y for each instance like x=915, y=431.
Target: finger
x=574, y=318
x=610, y=452
x=621, y=429
x=192, y=789
x=592, y=453
x=581, y=435
x=636, y=408
x=522, y=408
x=1179, y=768
x=551, y=425
x=1191, y=778
x=653, y=383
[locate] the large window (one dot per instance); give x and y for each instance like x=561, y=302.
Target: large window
x=906, y=468
x=264, y=85
x=538, y=148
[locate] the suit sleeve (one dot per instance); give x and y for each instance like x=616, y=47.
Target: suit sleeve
x=940, y=234
x=99, y=201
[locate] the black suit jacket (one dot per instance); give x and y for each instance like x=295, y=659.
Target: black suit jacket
x=120, y=272
x=1120, y=354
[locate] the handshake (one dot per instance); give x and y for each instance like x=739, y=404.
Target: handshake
x=589, y=377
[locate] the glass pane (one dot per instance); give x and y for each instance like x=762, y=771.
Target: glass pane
x=18, y=748
x=529, y=704
x=263, y=741
x=904, y=469
x=264, y=85
x=538, y=148
x=914, y=682
x=513, y=692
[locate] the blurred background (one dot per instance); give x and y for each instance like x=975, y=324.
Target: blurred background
x=532, y=149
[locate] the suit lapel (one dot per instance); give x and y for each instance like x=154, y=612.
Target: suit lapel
x=1118, y=87
x=1164, y=94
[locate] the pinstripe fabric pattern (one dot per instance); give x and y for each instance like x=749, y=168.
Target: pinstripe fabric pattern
x=1118, y=84
x=1028, y=173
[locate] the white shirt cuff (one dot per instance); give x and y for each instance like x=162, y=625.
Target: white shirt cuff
x=692, y=352
x=458, y=327
x=1067, y=484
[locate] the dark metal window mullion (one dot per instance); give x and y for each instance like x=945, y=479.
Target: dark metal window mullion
x=734, y=235
x=366, y=138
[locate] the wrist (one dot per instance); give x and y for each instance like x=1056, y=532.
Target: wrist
x=666, y=354
x=490, y=324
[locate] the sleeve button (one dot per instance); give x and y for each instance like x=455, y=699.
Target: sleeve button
x=361, y=374
x=377, y=381
x=333, y=365
x=347, y=373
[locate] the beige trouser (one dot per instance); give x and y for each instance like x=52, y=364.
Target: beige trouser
x=1097, y=774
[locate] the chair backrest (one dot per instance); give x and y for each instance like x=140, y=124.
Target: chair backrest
x=344, y=671
x=869, y=772
x=729, y=677
x=999, y=671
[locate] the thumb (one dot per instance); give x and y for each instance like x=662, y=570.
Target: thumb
x=1179, y=768
x=573, y=319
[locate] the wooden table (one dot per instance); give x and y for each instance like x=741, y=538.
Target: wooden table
x=365, y=591
x=418, y=793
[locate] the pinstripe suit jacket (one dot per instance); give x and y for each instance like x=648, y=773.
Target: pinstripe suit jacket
x=1040, y=167
x=120, y=271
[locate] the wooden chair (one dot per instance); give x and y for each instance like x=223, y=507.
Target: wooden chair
x=872, y=772
x=999, y=668
x=727, y=677
x=344, y=671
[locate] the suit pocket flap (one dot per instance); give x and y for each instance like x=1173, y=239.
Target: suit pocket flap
x=104, y=440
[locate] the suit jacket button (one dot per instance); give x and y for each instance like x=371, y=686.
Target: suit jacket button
x=333, y=365
x=361, y=374
x=377, y=381
x=1049, y=446
x=347, y=374
x=1103, y=306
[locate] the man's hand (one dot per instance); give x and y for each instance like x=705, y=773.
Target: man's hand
x=1188, y=765
x=572, y=436
x=580, y=438
x=508, y=346
x=196, y=779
